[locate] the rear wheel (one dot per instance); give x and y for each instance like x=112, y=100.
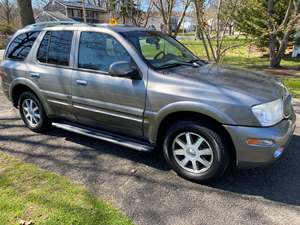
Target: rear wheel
x=196, y=151
x=32, y=112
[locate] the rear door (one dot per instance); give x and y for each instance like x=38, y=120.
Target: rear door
x=52, y=70
x=100, y=100
x=16, y=63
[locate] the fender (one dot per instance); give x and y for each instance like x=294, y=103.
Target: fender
x=35, y=89
x=154, y=119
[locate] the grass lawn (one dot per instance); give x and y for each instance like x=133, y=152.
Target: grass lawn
x=293, y=85
x=32, y=194
x=246, y=55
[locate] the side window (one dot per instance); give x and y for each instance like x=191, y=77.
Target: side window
x=98, y=51
x=43, y=49
x=55, y=48
x=21, y=46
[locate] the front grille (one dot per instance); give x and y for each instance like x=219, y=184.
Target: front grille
x=287, y=106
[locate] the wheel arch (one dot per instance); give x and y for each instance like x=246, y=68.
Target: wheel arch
x=208, y=117
x=21, y=85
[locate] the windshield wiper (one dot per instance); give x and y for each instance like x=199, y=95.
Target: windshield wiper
x=173, y=65
x=178, y=63
x=197, y=60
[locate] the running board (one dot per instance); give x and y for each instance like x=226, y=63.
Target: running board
x=105, y=136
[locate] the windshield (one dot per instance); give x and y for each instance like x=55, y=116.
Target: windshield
x=158, y=49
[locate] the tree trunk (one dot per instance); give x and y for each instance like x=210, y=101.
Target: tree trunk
x=187, y=4
x=26, y=12
x=202, y=38
x=84, y=11
x=275, y=61
x=199, y=5
x=272, y=34
x=277, y=44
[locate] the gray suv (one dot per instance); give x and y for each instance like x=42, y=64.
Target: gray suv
x=144, y=90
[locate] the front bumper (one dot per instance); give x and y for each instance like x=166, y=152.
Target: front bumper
x=248, y=156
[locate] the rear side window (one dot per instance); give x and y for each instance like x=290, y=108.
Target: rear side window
x=21, y=46
x=55, y=48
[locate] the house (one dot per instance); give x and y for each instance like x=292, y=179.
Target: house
x=296, y=47
x=58, y=10
x=155, y=21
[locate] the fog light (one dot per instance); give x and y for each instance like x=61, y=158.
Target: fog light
x=278, y=152
x=259, y=142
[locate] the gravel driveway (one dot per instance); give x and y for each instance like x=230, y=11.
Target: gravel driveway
x=147, y=191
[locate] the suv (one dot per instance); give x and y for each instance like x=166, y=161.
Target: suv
x=144, y=90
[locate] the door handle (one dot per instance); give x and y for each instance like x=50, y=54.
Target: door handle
x=81, y=82
x=35, y=75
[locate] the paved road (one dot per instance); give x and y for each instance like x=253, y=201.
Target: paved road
x=154, y=195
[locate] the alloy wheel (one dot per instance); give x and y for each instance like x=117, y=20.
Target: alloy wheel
x=31, y=112
x=192, y=152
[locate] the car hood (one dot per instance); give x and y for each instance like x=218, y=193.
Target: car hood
x=231, y=81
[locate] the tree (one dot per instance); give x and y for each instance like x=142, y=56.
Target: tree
x=7, y=29
x=26, y=13
x=137, y=15
x=271, y=23
x=280, y=33
x=166, y=9
x=7, y=9
x=221, y=20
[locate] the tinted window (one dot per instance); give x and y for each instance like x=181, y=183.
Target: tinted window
x=98, y=51
x=21, y=46
x=55, y=48
x=43, y=50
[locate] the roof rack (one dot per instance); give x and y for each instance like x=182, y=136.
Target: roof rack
x=52, y=23
x=112, y=25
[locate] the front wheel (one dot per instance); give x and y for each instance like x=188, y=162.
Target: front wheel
x=196, y=151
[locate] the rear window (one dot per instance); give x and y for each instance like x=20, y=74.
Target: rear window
x=55, y=48
x=21, y=46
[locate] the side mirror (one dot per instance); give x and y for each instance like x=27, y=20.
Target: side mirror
x=123, y=69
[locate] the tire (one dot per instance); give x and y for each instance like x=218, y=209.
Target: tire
x=203, y=163
x=32, y=112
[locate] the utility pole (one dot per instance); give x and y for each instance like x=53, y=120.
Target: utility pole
x=83, y=11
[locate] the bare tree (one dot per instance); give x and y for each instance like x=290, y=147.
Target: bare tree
x=280, y=33
x=6, y=10
x=26, y=13
x=224, y=10
x=167, y=11
x=139, y=17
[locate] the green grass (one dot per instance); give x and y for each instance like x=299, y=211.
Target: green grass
x=293, y=84
x=32, y=194
x=186, y=34
x=246, y=55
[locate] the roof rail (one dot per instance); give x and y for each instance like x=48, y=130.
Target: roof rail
x=52, y=23
x=112, y=25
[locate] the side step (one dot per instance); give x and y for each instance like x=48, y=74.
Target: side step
x=105, y=136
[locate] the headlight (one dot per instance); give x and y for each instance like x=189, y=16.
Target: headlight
x=269, y=113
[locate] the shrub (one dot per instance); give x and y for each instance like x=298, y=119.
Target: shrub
x=7, y=29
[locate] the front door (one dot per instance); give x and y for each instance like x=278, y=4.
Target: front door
x=100, y=100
